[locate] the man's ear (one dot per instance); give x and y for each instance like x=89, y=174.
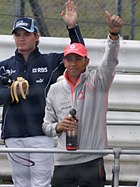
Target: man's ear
x=64, y=63
x=87, y=61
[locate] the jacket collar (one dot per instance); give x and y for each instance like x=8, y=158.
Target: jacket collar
x=81, y=78
x=33, y=55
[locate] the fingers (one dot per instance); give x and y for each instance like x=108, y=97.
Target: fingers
x=108, y=17
x=114, y=22
x=68, y=123
x=70, y=7
x=62, y=13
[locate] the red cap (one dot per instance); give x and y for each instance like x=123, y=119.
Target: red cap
x=76, y=48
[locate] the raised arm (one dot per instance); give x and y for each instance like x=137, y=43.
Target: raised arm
x=106, y=71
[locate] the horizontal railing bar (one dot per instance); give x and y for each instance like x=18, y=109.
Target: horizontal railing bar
x=123, y=109
x=44, y=150
x=123, y=123
x=130, y=152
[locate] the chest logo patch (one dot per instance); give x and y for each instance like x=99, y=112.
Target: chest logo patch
x=40, y=80
x=40, y=70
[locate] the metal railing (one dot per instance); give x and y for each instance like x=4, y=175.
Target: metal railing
x=117, y=152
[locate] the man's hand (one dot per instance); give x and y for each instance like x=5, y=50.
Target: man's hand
x=70, y=14
x=68, y=123
x=114, y=22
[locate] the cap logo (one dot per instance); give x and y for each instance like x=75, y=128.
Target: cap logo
x=21, y=23
x=72, y=46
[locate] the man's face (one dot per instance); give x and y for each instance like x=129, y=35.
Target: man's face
x=75, y=65
x=25, y=41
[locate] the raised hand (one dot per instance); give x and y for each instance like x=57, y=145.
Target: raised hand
x=70, y=14
x=114, y=22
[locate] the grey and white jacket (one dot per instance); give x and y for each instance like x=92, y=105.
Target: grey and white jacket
x=90, y=98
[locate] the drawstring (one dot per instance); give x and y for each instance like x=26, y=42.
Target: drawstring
x=31, y=163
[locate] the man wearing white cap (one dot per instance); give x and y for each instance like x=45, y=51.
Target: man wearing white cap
x=87, y=93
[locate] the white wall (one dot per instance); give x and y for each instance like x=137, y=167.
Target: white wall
x=129, y=52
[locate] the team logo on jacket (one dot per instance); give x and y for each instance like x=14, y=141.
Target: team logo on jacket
x=40, y=80
x=6, y=71
x=40, y=70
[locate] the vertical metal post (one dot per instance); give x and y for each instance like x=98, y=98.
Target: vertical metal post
x=132, y=20
x=38, y=14
x=119, y=7
x=116, y=167
x=19, y=8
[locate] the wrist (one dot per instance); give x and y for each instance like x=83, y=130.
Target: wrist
x=72, y=26
x=114, y=33
x=57, y=129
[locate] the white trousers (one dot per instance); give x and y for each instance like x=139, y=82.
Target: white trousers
x=31, y=169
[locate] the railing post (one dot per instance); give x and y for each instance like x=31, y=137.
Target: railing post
x=116, y=167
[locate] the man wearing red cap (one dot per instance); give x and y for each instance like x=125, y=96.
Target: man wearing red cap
x=87, y=93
